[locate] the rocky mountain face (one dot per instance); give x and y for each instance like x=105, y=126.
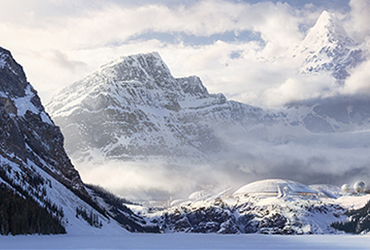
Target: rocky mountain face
x=27, y=130
x=35, y=171
x=358, y=221
x=134, y=107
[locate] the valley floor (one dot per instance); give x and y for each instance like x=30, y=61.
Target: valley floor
x=187, y=241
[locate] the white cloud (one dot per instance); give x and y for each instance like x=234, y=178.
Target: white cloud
x=154, y=179
x=58, y=43
x=95, y=34
x=310, y=159
x=359, y=81
x=358, y=23
x=300, y=87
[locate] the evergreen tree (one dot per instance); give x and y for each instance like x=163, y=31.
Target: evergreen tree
x=23, y=215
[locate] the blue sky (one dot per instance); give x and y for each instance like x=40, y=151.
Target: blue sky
x=232, y=45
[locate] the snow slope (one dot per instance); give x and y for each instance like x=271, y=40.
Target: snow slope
x=224, y=213
x=65, y=199
x=34, y=164
x=252, y=215
x=328, y=48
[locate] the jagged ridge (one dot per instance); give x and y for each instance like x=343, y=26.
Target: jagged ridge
x=328, y=48
x=135, y=107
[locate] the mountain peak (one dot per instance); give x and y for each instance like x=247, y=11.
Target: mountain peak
x=327, y=20
x=154, y=56
x=12, y=77
x=327, y=30
x=328, y=48
x=331, y=26
x=141, y=67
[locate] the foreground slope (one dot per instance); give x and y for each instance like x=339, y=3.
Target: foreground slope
x=190, y=241
x=35, y=171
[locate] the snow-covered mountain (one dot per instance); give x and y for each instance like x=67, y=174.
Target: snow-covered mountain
x=266, y=216
x=37, y=174
x=224, y=214
x=134, y=107
x=328, y=48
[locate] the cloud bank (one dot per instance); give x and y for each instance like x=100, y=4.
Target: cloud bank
x=310, y=159
x=59, y=43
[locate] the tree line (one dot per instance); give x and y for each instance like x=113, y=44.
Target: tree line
x=23, y=215
x=358, y=222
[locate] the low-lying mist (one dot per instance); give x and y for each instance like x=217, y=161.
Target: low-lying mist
x=336, y=158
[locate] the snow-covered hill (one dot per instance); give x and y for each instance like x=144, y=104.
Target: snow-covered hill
x=328, y=49
x=35, y=171
x=134, y=107
x=226, y=214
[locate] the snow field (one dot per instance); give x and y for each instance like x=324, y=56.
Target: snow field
x=186, y=241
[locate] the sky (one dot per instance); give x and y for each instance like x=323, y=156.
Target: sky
x=238, y=48
x=233, y=46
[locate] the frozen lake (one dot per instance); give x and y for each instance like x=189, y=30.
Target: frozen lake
x=187, y=241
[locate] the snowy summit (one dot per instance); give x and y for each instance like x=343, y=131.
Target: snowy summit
x=328, y=48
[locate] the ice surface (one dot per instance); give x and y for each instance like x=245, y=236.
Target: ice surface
x=186, y=241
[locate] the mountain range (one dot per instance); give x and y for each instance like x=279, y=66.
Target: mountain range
x=133, y=109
